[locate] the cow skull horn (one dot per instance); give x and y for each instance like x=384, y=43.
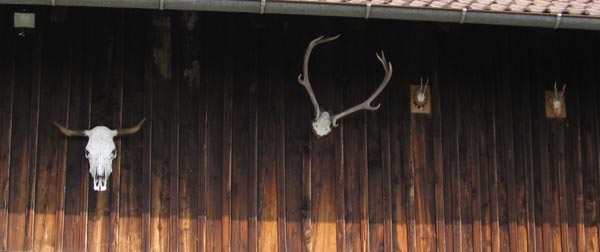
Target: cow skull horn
x=69, y=132
x=132, y=130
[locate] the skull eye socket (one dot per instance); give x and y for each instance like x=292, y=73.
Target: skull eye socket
x=87, y=153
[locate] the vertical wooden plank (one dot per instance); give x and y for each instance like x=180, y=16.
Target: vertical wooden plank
x=307, y=227
x=253, y=152
x=572, y=203
x=505, y=160
x=400, y=128
x=503, y=174
x=446, y=76
x=118, y=79
x=353, y=144
x=214, y=141
x=438, y=156
x=590, y=147
x=296, y=142
x=596, y=131
x=6, y=107
x=424, y=198
x=363, y=171
x=24, y=142
x=281, y=157
x=165, y=167
x=561, y=181
x=164, y=90
x=148, y=132
x=374, y=149
x=323, y=189
x=487, y=161
x=76, y=189
x=450, y=142
x=338, y=154
x=227, y=142
x=267, y=143
x=422, y=153
x=189, y=146
x=244, y=80
x=173, y=106
x=130, y=236
x=574, y=167
x=7, y=70
x=467, y=160
x=555, y=149
x=105, y=110
x=541, y=140
x=52, y=146
x=556, y=153
x=387, y=172
x=523, y=166
x=202, y=139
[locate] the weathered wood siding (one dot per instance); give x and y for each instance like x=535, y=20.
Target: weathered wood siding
x=227, y=160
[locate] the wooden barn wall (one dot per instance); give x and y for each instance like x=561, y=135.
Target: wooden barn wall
x=227, y=160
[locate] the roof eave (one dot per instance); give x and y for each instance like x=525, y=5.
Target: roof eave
x=341, y=10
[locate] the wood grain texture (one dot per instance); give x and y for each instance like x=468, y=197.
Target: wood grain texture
x=296, y=148
x=267, y=133
x=214, y=142
x=105, y=110
x=202, y=139
x=189, y=144
x=77, y=175
x=7, y=70
x=241, y=116
x=227, y=161
x=374, y=158
x=227, y=150
x=52, y=145
x=130, y=236
x=21, y=187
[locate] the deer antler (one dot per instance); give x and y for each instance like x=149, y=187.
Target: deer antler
x=423, y=88
x=556, y=95
x=366, y=105
x=303, y=77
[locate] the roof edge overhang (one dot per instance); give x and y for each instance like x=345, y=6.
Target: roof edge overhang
x=554, y=21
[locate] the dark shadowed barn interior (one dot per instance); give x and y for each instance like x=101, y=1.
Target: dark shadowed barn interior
x=227, y=160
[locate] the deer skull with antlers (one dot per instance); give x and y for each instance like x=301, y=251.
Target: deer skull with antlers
x=100, y=149
x=556, y=99
x=420, y=95
x=324, y=120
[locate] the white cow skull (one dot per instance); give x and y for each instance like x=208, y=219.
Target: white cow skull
x=100, y=149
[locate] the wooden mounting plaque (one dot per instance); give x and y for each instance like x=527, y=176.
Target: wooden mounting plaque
x=548, y=101
x=413, y=108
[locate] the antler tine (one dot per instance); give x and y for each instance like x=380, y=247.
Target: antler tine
x=366, y=105
x=303, y=78
x=556, y=95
